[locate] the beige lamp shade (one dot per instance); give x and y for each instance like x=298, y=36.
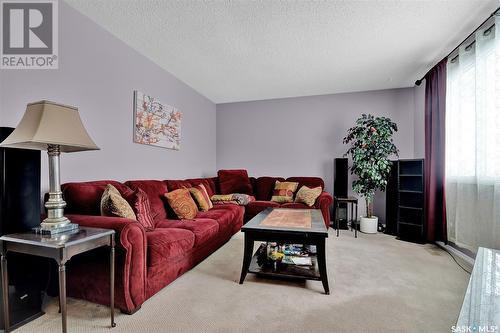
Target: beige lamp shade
x=47, y=123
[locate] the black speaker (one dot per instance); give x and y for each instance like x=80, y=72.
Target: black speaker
x=340, y=177
x=20, y=193
x=391, y=200
x=19, y=212
x=340, y=180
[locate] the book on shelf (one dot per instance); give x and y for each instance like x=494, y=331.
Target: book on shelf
x=290, y=254
x=302, y=261
x=298, y=261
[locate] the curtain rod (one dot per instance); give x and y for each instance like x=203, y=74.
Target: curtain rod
x=419, y=82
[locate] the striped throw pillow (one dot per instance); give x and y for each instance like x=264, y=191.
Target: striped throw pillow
x=201, y=197
x=142, y=209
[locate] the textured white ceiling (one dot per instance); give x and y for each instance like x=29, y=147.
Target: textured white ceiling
x=250, y=50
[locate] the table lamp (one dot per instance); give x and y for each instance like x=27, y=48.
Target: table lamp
x=56, y=128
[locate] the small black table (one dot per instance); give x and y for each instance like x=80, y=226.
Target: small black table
x=61, y=248
x=316, y=235
x=353, y=202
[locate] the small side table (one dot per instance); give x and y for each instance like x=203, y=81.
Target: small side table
x=60, y=248
x=353, y=203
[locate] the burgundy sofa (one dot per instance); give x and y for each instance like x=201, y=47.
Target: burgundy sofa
x=147, y=261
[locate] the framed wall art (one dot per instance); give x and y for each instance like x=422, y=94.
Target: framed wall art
x=156, y=123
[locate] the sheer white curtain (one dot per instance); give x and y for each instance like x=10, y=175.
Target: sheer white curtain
x=473, y=143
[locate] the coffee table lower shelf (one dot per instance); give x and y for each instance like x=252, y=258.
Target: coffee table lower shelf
x=285, y=271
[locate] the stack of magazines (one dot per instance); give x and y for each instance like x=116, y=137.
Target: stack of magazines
x=290, y=254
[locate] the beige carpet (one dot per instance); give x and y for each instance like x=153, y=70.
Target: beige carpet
x=377, y=283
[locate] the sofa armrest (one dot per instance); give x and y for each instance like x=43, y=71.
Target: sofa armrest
x=118, y=224
x=131, y=237
x=323, y=202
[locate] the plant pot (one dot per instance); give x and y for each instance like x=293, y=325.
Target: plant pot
x=368, y=225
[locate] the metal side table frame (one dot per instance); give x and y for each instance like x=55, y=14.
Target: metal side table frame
x=60, y=248
x=353, y=203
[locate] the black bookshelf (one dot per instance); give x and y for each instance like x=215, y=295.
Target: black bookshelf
x=410, y=200
x=19, y=212
x=391, y=200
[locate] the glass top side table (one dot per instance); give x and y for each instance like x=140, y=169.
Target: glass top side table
x=61, y=247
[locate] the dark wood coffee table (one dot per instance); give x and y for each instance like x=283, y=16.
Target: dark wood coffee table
x=290, y=226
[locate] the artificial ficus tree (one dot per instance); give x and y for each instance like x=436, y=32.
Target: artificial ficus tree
x=371, y=145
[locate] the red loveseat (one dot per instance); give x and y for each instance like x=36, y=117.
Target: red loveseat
x=147, y=261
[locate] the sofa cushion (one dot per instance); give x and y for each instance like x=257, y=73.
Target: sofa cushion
x=295, y=205
x=234, y=181
x=85, y=197
x=283, y=191
x=252, y=182
x=264, y=186
x=307, y=181
x=173, y=185
x=207, y=182
x=255, y=207
x=113, y=204
x=182, y=204
x=215, y=180
x=204, y=230
x=308, y=195
x=155, y=189
x=238, y=211
x=224, y=216
x=167, y=243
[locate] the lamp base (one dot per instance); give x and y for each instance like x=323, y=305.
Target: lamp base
x=56, y=230
x=54, y=222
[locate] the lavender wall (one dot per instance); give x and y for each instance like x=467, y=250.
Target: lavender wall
x=98, y=73
x=301, y=136
x=282, y=137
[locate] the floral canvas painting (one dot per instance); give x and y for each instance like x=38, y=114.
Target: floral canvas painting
x=156, y=123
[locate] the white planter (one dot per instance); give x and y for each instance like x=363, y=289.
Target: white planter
x=369, y=225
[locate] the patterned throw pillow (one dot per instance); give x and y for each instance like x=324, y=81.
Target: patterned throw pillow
x=113, y=204
x=201, y=197
x=232, y=202
x=222, y=198
x=182, y=204
x=243, y=199
x=283, y=191
x=142, y=209
x=308, y=195
x=234, y=198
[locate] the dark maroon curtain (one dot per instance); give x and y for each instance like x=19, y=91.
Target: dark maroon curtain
x=435, y=133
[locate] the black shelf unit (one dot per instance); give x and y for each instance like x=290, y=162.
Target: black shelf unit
x=410, y=198
x=391, y=202
x=19, y=212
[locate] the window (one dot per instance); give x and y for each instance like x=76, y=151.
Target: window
x=473, y=142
